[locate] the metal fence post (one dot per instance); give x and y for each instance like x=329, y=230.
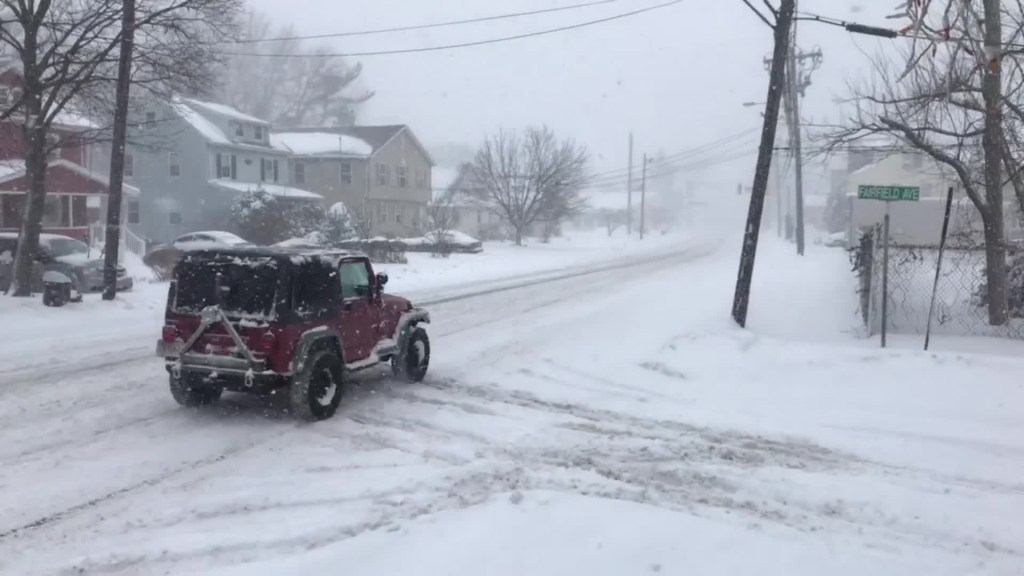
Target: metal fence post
x=885, y=272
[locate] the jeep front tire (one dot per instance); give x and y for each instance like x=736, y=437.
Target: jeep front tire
x=188, y=390
x=412, y=361
x=316, y=390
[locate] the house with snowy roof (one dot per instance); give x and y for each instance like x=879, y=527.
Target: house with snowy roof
x=193, y=158
x=381, y=173
x=75, y=194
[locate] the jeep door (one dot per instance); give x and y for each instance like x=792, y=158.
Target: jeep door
x=360, y=313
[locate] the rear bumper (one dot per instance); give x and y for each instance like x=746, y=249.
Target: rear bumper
x=227, y=372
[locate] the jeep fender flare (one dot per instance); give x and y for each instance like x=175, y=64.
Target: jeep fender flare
x=322, y=336
x=407, y=323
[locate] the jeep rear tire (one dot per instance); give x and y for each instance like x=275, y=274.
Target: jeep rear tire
x=316, y=391
x=188, y=390
x=412, y=362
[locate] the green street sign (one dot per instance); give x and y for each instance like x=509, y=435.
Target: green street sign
x=889, y=193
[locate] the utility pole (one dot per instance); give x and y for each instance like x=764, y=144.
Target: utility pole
x=776, y=76
x=643, y=197
x=112, y=238
x=629, y=190
x=800, y=65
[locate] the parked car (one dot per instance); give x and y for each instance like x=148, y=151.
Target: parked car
x=164, y=257
x=209, y=239
x=259, y=319
x=71, y=257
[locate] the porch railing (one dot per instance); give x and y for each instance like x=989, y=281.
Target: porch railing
x=130, y=242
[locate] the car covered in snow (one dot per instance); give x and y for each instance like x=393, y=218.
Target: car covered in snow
x=164, y=257
x=57, y=253
x=266, y=319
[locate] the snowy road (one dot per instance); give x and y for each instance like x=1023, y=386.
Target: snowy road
x=529, y=446
x=105, y=441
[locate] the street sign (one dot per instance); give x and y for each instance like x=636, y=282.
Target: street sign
x=889, y=193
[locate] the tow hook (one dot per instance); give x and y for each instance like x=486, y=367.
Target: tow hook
x=250, y=378
x=176, y=370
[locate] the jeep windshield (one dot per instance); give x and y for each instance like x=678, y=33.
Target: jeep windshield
x=243, y=286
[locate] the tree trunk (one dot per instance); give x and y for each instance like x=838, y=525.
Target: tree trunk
x=115, y=193
x=519, y=236
x=741, y=298
x=995, y=248
x=32, y=218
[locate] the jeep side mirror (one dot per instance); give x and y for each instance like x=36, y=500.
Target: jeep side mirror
x=382, y=279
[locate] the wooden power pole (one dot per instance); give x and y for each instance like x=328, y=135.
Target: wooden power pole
x=776, y=76
x=629, y=190
x=114, y=194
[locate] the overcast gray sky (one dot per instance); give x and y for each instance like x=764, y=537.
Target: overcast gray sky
x=676, y=76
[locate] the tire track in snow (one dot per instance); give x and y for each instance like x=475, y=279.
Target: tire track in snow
x=365, y=419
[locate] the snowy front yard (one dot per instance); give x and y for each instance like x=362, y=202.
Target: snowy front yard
x=613, y=423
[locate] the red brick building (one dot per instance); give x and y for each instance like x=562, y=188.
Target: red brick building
x=75, y=195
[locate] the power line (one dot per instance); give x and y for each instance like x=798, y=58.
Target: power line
x=422, y=26
x=684, y=154
x=463, y=44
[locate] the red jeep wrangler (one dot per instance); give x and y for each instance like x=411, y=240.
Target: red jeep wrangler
x=261, y=319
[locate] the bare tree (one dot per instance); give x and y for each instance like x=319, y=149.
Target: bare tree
x=362, y=222
x=948, y=105
x=613, y=220
x=530, y=177
x=310, y=88
x=442, y=218
x=65, y=50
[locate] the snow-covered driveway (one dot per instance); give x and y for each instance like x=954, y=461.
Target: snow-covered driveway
x=596, y=424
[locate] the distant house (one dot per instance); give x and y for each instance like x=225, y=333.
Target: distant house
x=75, y=195
x=382, y=173
x=473, y=215
x=193, y=158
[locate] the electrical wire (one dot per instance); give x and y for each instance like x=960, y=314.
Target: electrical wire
x=422, y=26
x=684, y=154
x=464, y=44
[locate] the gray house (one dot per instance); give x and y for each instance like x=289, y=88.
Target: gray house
x=194, y=158
x=380, y=173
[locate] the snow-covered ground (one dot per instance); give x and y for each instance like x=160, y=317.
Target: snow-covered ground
x=613, y=421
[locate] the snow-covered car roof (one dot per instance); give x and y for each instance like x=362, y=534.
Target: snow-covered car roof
x=219, y=235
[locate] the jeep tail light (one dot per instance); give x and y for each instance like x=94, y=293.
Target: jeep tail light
x=267, y=343
x=170, y=333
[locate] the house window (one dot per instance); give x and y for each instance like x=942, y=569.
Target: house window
x=421, y=179
x=239, y=130
x=346, y=172
x=403, y=180
x=150, y=120
x=5, y=97
x=299, y=173
x=257, y=132
x=174, y=217
x=133, y=212
x=56, y=212
x=382, y=174
x=129, y=164
x=275, y=170
x=263, y=169
x=174, y=164
x=227, y=166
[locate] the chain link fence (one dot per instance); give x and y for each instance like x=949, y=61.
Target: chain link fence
x=960, y=298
